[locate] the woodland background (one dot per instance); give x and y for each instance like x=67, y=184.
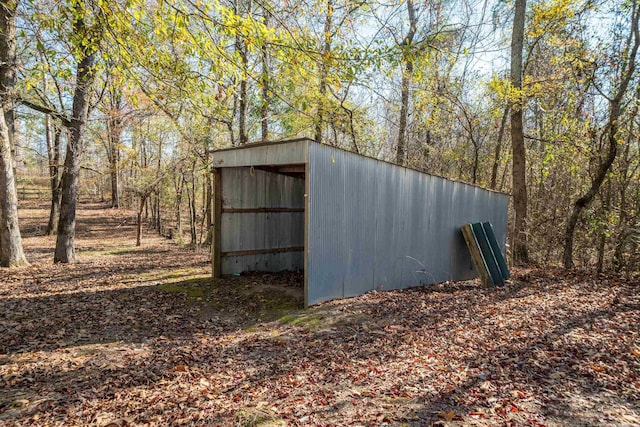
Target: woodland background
x=123, y=100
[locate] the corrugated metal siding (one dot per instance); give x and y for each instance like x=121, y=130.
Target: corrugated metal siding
x=247, y=188
x=376, y=225
x=327, y=226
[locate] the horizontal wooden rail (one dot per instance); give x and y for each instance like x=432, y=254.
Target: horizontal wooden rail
x=263, y=251
x=261, y=210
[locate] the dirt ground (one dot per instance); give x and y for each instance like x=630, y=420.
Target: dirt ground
x=142, y=336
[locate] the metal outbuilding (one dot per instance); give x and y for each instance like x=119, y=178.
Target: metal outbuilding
x=352, y=223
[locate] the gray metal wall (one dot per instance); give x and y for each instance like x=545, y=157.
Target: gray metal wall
x=374, y=225
x=243, y=187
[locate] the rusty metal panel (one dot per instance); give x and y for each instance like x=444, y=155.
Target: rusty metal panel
x=247, y=188
x=374, y=225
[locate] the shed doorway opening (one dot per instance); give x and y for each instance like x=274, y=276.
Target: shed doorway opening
x=261, y=218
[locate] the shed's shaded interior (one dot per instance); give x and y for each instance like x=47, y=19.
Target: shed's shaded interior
x=262, y=219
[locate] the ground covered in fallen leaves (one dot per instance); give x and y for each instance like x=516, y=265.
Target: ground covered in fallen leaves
x=142, y=336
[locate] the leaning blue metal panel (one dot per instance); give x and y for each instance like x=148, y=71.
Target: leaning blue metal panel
x=250, y=188
x=487, y=254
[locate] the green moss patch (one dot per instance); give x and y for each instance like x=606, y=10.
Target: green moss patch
x=258, y=418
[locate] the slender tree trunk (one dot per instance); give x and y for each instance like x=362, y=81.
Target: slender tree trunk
x=404, y=110
x=114, y=133
x=11, y=252
x=324, y=72
x=8, y=63
x=602, y=234
x=627, y=72
x=407, y=74
x=158, y=224
x=243, y=102
x=207, y=212
x=179, y=187
x=476, y=160
x=264, y=81
x=519, y=184
x=179, y=184
x=115, y=177
x=143, y=202
x=352, y=131
x=426, y=150
x=498, y=151
x=53, y=154
x=65, y=250
x=191, y=198
x=625, y=178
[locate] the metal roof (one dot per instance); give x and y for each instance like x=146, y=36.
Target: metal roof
x=291, y=152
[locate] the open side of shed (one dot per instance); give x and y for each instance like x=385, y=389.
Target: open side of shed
x=351, y=222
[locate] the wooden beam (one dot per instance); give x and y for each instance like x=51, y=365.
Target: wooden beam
x=296, y=171
x=216, y=232
x=263, y=251
x=292, y=169
x=306, y=232
x=261, y=210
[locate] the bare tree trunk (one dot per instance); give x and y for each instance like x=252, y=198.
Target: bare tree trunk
x=207, y=212
x=243, y=103
x=65, y=250
x=11, y=252
x=496, y=156
x=627, y=72
x=352, y=131
x=476, y=160
x=53, y=155
x=114, y=130
x=519, y=183
x=115, y=124
x=158, y=210
x=8, y=63
x=624, y=186
x=602, y=234
x=407, y=74
x=143, y=202
x=179, y=185
x=264, y=81
x=191, y=197
x=324, y=72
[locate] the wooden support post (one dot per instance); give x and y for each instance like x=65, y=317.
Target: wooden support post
x=216, y=226
x=307, y=188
